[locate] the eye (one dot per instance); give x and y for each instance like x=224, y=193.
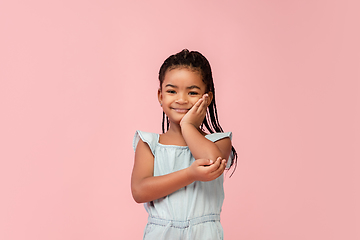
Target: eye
x=171, y=91
x=193, y=93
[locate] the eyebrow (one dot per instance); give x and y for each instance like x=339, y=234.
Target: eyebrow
x=190, y=87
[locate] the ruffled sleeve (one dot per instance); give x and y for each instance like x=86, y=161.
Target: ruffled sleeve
x=149, y=138
x=216, y=137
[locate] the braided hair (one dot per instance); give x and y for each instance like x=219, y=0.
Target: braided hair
x=195, y=61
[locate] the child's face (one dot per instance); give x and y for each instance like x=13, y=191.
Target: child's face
x=180, y=90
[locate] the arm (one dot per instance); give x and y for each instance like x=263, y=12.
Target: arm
x=200, y=146
x=145, y=187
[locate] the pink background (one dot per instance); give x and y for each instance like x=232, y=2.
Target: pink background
x=79, y=77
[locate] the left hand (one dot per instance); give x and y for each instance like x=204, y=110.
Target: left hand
x=206, y=170
x=197, y=113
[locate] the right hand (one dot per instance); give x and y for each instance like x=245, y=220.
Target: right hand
x=195, y=116
x=206, y=170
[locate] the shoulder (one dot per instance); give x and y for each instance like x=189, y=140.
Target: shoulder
x=151, y=139
x=214, y=137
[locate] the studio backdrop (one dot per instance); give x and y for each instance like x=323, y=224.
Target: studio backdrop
x=78, y=78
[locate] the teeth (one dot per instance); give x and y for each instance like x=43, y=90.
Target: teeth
x=180, y=110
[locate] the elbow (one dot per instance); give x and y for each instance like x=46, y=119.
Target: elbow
x=214, y=155
x=141, y=190
x=138, y=195
x=138, y=200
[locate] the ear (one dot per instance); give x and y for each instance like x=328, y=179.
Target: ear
x=160, y=96
x=211, y=96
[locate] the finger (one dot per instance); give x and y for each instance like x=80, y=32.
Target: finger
x=215, y=166
x=221, y=168
x=204, y=162
x=196, y=106
x=203, y=105
x=206, y=98
x=199, y=102
x=223, y=164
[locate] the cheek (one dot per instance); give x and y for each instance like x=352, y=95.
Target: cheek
x=167, y=101
x=195, y=99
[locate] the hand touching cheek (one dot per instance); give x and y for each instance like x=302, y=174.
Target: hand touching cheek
x=195, y=116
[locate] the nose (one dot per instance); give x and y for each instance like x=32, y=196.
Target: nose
x=181, y=99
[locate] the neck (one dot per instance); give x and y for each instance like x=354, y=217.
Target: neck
x=176, y=129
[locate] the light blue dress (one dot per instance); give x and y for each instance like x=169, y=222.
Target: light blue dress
x=192, y=212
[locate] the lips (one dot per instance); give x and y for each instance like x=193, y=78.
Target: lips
x=181, y=110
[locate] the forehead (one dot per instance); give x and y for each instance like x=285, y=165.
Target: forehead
x=183, y=77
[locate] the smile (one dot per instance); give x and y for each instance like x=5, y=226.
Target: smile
x=181, y=110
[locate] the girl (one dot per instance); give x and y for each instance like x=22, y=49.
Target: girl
x=178, y=174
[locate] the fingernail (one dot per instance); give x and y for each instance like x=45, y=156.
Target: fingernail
x=211, y=161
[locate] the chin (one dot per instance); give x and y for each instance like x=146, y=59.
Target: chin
x=175, y=121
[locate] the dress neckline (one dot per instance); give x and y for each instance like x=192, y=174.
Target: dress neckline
x=168, y=145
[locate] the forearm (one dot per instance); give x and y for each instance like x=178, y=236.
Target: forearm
x=155, y=187
x=199, y=145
